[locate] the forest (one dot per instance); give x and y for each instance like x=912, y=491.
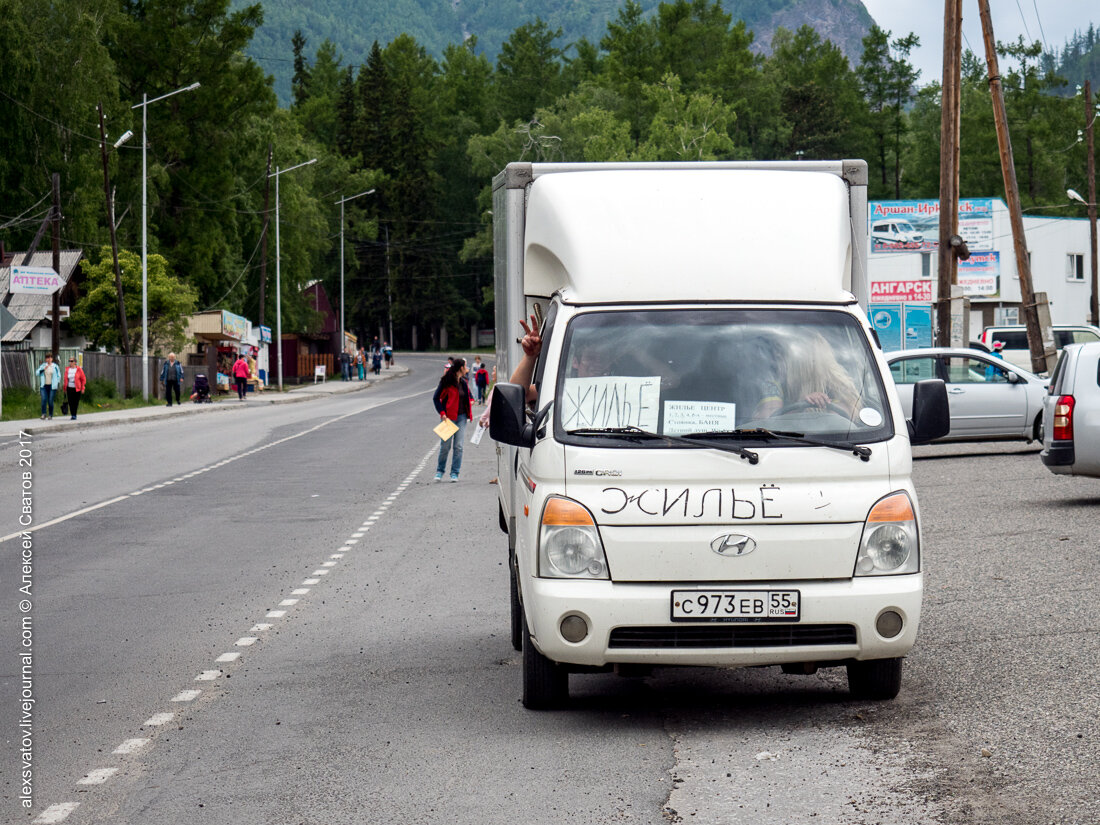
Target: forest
x=428, y=133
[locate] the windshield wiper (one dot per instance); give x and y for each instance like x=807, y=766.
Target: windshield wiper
x=864, y=453
x=637, y=432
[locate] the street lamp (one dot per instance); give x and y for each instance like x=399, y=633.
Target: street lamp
x=342, y=201
x=278, y=271
x=145, y=101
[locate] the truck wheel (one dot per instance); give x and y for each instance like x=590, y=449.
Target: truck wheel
x=875, y=679
x=517, y=608
x=545, y=683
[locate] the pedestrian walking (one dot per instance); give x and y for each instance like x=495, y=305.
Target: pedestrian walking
x=345, y=366
x=241, y=374
x=481, y=382
x=49, y=380
x=171, y=377
x=361, y=363
x=376, y=360
x=75, y=381
x=387, y=353
x=452, y=401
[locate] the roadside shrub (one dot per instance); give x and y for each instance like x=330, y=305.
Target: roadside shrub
x=100, y=389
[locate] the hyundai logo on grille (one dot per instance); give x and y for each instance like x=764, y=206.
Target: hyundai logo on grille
x=732, y=544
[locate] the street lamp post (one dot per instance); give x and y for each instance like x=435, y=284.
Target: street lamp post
x=342, y=201
x=145, y=101
x=278, y=271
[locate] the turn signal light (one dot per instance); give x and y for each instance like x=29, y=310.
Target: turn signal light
x=1063, y=419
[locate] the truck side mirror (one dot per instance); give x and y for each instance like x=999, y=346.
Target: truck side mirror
x=931, y=414
x=508, y=416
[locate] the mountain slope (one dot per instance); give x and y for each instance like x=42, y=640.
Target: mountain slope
x=353, y=25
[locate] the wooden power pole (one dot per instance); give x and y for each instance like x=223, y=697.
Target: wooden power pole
x=949, y=168
x=1012, y=198
x=55, y=233
x=1090, y=117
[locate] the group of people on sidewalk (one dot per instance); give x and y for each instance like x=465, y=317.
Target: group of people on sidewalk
x=362, y=359
x=51, y=379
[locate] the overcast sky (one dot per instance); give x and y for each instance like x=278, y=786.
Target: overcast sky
x=1052, y=22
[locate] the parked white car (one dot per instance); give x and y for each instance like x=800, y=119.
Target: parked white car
x=989, y=397
x=1014, y=340
x=1071, y=445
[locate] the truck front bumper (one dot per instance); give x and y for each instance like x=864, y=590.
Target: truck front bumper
x=630, y=623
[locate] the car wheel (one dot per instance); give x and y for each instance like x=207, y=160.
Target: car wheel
x=517, y=608
x=875, y=679
x=1037, y=432
x=545, y=682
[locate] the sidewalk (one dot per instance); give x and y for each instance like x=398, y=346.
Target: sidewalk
x=292, y=394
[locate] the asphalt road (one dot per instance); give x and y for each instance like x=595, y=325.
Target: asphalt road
x=387, y=689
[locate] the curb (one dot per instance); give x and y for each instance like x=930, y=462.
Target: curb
x=11, y=429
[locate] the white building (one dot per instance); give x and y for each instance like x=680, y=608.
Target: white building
x=903, y=264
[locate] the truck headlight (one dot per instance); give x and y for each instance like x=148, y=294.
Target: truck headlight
x=889, y=544
x=569, y=542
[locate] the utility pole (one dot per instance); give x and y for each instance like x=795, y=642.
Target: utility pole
x=125, y=334
x=263, y=240
x=949, y=168
x=1090, y=117
x=1039, y=359
x=55, y=327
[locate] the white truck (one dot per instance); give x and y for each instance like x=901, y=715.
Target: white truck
x=716, y=470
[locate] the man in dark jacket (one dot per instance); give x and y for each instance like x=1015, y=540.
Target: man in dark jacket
x=171, y=376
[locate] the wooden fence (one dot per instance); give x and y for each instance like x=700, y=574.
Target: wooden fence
x=18, y=370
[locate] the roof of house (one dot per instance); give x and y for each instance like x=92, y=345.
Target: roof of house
x=30, y=310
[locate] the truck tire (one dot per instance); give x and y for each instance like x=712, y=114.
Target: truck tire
x=516, y=608
x=875, y=679
x=545, y=682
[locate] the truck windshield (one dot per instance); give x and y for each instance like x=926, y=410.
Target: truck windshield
x=736, y=374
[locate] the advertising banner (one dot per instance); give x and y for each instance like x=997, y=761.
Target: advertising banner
x=886, y=319
x=914, y=226
x=918, y=326
x=265, y=335
x=904, y=291
x=234, y=326
x=34, y=280
x=981, y=275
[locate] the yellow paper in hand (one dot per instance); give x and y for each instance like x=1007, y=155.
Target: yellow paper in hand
x=446, y=429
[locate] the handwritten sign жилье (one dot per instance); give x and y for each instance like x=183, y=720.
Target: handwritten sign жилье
x=611, y=401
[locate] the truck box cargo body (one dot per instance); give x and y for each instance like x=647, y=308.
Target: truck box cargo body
x=716, y=470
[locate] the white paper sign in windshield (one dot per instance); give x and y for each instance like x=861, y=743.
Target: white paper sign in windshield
x=699, y=417
x=611, y=401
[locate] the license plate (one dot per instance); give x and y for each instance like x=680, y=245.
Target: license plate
x=735, y=605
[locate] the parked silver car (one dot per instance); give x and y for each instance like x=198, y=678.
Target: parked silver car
x=989, y=397
x=1071, y=445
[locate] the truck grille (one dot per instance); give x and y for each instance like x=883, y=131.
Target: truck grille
x=756, y=635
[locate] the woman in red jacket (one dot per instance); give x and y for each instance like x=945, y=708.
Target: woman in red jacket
x=73, y=381
x=454, y=398
x=241, y=373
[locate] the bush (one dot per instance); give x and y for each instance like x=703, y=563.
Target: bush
x=100, y=389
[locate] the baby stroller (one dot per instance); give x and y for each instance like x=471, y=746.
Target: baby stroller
x=200, y=392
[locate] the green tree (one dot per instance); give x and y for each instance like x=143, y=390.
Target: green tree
x=202, y=164
x=529, y=71
x=888, y=81
x=820, y=95
x=686, y=126
x=169, y=303
x=54, y=68
x=300, y=81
